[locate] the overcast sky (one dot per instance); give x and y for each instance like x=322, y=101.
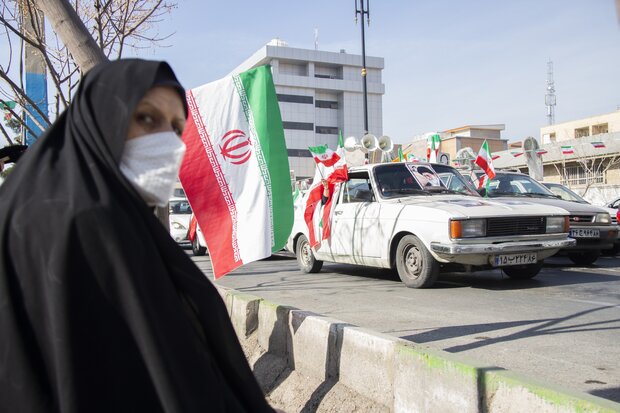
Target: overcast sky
x=448, y=63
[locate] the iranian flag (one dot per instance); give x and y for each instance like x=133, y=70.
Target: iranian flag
x=235, y=171
x=432, y=147
x=598, y=144
x=485, y=160
x=323, y=155
x=567, y=150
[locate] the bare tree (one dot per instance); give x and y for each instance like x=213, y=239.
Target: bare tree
x=593, y=167
x=113, y=27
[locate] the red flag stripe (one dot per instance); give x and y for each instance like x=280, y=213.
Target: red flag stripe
x=481, y=162
x=215, y=210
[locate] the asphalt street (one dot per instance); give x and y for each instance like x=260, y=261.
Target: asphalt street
x=562, y=327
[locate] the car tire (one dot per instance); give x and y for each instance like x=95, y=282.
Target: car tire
x=523, y=272
x=305, y=258
x=584, y=258
x=197, y=250
x=416, y=267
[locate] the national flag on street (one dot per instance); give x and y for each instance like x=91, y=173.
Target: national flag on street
x=567, y=150
x=598, y=144
x=485, y=160
x=235, y=172
x=322, y=154
x=494, y=157
x=516, y=154
x=541, y=152
x=432, y=147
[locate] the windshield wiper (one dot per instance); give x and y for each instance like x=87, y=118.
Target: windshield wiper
x=439, y=190
x=534, y=194
x=404, y=191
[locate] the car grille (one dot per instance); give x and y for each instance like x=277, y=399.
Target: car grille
x=581, y=219
x=515, y=226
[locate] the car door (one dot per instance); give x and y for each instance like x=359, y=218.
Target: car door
x=355, y=195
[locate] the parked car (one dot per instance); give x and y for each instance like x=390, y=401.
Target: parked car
x=196, y=238
x=179, y=213
x=400, y=216
x=567, y=194
x=589, y=225
x=614, y=204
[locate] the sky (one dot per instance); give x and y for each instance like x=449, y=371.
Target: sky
x=448, y=63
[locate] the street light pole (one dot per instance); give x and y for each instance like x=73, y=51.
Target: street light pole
x=362, y=10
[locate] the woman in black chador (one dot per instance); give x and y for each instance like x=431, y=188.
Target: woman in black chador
x=100, y=310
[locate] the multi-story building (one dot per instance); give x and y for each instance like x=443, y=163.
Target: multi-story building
x=320, y=94
x=583, y=154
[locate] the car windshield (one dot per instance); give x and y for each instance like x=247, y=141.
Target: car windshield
x=454, y=181
x=507, y=184
x=565, y=193
x=180, y=207
x=405, y=179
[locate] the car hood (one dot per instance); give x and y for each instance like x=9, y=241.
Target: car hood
x=574, y=208
x=471, y=207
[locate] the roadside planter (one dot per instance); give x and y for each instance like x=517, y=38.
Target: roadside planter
x=422, y=219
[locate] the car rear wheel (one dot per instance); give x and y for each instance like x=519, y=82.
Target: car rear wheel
x=197, y=249
x=584, y=258
x=305, y=257
x=415, y=265
x=523, y=272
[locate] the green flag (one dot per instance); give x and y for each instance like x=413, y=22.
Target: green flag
x=401, y=157
x=340, y=139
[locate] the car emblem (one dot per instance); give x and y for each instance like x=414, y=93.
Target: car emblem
x=236, y=147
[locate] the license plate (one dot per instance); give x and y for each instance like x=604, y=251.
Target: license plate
x=584, y=233
x=514, y=259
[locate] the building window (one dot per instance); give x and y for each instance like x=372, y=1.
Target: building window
x=299, y=153
x=327, y=104
x=552, y=136
x=577, y=175
x=298, y=125
x=600, y=128
x=328, y=130
x=294, y=98
x=581, y=132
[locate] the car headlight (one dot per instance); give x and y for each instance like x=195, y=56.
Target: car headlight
x=177, y=225
x=468, y=228
x=603, y=218
x=557, y=225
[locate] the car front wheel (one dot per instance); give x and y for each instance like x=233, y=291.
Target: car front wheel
x=305, y=257
x=584, y=258
x=523, y=272
x=197, y=249
x=415, y=265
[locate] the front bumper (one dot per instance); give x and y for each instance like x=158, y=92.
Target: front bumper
x=500, y=248
x=608, y=235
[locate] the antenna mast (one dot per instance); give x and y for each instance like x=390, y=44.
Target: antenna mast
x=550, y=96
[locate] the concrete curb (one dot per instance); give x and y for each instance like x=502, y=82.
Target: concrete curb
x=391, y=374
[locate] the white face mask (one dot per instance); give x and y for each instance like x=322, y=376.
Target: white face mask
x=151, y=163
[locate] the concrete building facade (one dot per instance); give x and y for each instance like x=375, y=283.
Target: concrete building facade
x=581, y=128
x=320, y=94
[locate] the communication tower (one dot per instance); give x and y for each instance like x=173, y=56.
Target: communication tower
x=550, y=95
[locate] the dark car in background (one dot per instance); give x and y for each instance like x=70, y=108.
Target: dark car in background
x=591, y=226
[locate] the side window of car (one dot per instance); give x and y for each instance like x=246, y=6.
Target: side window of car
x=357, y=190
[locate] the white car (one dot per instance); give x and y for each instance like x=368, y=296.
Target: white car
x=179, y=214
x=400, y=215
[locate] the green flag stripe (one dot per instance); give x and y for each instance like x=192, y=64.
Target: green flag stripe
x=321, y=149
x=261, y=94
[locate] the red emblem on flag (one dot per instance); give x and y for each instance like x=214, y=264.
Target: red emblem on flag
x=236, y=147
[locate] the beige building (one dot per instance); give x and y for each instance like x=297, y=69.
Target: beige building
x=453, y=140
x=582, y=128
x=583, y=155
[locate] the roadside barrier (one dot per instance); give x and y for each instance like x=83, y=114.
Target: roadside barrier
x=307, y=362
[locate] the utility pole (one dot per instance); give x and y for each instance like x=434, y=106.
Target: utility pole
x=363, y=10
